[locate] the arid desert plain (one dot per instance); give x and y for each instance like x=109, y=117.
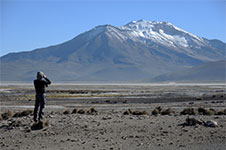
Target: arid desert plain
x=115, y=117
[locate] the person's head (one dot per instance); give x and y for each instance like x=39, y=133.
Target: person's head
x=40, y=75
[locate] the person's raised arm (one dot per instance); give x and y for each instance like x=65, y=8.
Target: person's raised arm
x=47, y=80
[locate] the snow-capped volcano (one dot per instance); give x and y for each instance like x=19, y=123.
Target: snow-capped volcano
x=137, y=50
x=161, y=32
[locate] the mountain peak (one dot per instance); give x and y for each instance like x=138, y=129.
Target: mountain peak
x=162, y=32
x=150, y=25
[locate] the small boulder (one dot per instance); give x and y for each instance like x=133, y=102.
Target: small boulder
x=211, y=123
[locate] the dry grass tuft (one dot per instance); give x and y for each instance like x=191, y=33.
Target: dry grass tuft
x=7, y=115
x=168, y=111
x=74, y=111
x=66, y=112
x=92, y=111
x=189, y=111
x=81, y=111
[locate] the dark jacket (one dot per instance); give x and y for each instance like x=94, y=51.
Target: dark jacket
x=40, y=85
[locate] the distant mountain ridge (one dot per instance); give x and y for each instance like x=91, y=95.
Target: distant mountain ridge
x=138, y=50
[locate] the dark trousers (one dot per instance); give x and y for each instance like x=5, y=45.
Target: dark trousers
x=40, y=101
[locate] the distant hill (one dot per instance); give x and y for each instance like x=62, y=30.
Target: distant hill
x=138, y=50
x=211, y=71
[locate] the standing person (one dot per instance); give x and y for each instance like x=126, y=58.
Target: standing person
x=40, y=98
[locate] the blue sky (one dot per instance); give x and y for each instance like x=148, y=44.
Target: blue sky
x=30, y=24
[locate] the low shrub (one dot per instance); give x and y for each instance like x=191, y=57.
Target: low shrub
x=7, y=115
x=91, y=111
x=189, y=111
x=203, y=111
x=81, y=111
x=168, y=111
x=74, y=111
x=210, y=112
x=26, y=112
x=221, y=112
x=66, y=112
x=127, y=112
x=157, y=110
x=137, y=112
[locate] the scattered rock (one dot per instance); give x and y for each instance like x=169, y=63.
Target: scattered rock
x=15, y=123
x=107, y=117
x=192, y=122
